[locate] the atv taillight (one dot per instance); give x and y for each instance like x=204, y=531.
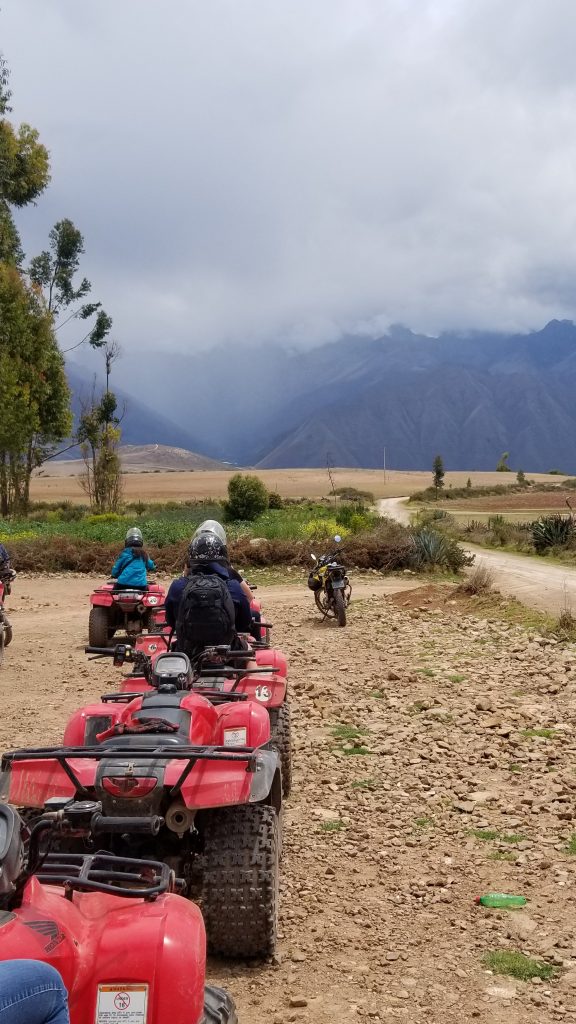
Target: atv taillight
x=129, y=785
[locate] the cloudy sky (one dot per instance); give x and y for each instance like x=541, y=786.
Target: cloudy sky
x=289, y=169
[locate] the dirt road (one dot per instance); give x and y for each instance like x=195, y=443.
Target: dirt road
x=535, y=582
x=413, y=735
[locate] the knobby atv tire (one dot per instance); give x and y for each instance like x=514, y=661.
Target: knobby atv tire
x=240, y=880
x=281, y=738
x=5, y=630
x=98, y=627
x=340, y=607
x=219, y=1007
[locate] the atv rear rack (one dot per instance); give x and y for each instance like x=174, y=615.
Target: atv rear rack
x=103, y=872
x=190, y=754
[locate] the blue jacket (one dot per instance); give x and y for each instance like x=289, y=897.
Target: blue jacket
x=130, y=570
x=4, y=556
x=241, y=603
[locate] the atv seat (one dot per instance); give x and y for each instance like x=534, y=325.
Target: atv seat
x=11, y=849
x=146, y=739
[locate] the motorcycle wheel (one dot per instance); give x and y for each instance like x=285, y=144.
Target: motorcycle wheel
x=340, y=607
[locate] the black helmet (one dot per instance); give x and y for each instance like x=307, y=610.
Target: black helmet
x=212, y=526
x=134, y=538
x=206, y=547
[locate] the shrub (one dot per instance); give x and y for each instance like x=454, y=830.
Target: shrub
x=480, y=581
x=324, y=529
x=353, y=494
x=247, y=497
x=436, y=550
x=275, y=500
x=552, y=531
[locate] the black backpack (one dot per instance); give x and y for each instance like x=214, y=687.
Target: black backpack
x=206, y=617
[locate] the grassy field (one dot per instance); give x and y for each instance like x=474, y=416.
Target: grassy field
x=56, y=482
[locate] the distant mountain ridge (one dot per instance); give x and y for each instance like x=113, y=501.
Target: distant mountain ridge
x=469, y=396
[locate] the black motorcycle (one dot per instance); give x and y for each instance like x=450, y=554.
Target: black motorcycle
x=331, y=586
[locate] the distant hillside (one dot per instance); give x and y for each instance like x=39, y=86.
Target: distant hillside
x=467, y=396
x=141, y=459
x=141, y=422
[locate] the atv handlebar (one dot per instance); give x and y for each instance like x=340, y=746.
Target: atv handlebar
x=103, y=651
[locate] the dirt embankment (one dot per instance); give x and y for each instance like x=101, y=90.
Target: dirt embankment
x=421, y=780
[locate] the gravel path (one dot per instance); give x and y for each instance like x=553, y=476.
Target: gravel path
x=383, y=834
x=534, y=581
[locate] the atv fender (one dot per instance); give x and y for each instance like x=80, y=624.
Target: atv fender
x=245, y=724
x=226, y=783
x=84, y=724
x=98, y=939
x=266, y=690
x=274, y=658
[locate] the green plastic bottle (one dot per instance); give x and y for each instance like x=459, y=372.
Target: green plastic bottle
x=502, y=900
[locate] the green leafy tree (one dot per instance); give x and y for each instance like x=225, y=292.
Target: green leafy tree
x=521, y=477
x=438, y=471
x=502, y=465
x=24, y=171
x=247, y=497
x=34, y=394
x=54, y=271
x=99, y=435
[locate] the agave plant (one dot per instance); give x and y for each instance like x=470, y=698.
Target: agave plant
x=432, y=548
x=552, y=531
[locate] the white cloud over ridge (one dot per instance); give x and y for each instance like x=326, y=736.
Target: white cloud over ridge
x=248, y=169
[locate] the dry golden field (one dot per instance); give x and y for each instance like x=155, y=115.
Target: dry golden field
x=60, y=481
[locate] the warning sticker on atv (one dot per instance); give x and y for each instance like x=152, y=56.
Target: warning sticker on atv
x=122, y=1004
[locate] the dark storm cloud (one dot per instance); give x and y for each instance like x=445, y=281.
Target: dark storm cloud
x=289, y=169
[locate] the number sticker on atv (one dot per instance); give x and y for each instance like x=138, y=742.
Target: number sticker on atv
x=121, y=1004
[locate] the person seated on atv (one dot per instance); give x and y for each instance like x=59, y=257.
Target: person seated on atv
x=7, y=574
x=206, y=607
x=130, y=567
x=212, y=526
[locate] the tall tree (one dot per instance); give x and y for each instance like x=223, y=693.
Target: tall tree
x=54, y=271
x=24, y=171
x=438, y=470
x=99, y=435
x=34, y=394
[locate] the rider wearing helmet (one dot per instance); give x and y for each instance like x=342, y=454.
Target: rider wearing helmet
x=207, y=555
x=130, y=567
x=214, y=527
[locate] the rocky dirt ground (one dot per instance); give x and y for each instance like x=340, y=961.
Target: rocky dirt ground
x=420, y=782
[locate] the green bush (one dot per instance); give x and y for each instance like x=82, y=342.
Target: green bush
x=275, y=500
x=552, y=531
x=353, y=494
x=436, y=550
x=247, y=497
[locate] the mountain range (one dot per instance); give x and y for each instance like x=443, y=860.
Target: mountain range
x=468, y=396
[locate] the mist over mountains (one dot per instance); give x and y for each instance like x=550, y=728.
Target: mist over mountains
x=466, y=396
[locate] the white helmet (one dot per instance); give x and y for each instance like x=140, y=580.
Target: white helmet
x=214, y=527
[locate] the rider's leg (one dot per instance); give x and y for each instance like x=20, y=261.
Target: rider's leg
x=32, y=992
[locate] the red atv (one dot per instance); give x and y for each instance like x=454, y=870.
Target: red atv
x=7, y=576
x=205, y=766
x=120, y=610
x=216, y=673
x=114, y=927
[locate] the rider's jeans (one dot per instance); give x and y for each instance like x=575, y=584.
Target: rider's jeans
x=32, y=992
